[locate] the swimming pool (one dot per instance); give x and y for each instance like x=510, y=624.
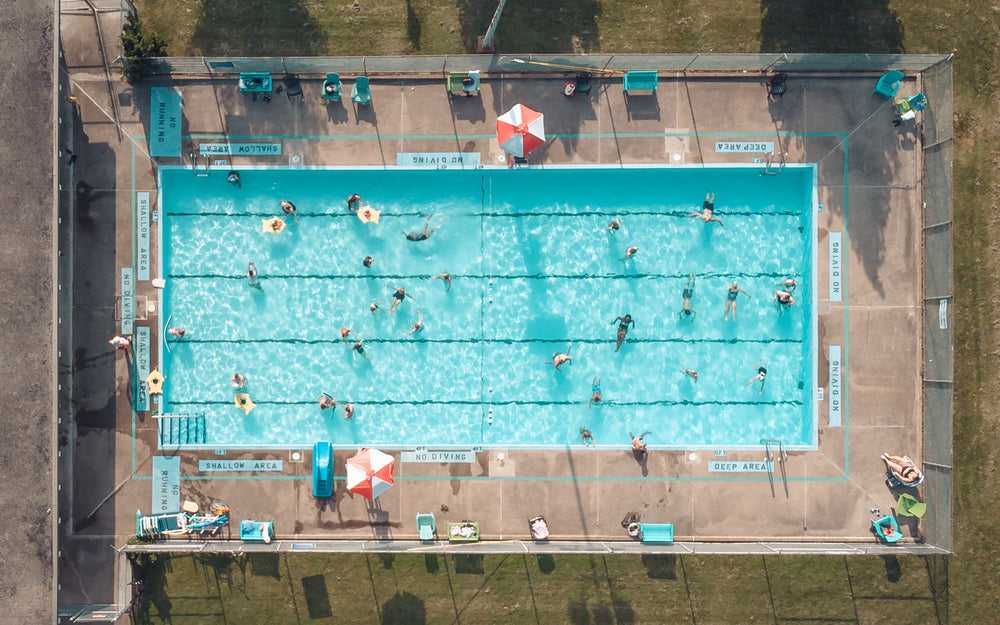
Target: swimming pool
x=534, y=271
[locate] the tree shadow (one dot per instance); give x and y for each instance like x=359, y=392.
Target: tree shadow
x=546, y=563
x=542, y=26
x=660, y=566
x=265, y=565
x=269, y=29
x=830, y=26
x=404, y=608
x=412, y=26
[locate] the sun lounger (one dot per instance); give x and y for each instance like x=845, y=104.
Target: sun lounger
x=466, y=83
x=464, y=532
x=426, y=525
x=539, y=528
x=255, y=82
x=160, y=525
x=256, y=531
x=639, y=81
x=887, y=529
x=332, y=87
x=656, y=532
x=361, y=92
x=888, y=84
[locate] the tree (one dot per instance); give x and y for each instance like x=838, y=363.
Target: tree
x=138, y=46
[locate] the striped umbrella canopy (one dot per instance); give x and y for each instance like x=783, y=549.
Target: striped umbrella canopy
x=369, y=473
x=520, y=130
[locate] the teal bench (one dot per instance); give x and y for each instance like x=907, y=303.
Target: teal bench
x=639, y=81
x=255, y=82
x=656, y=532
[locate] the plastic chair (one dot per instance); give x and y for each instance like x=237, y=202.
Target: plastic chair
x=332, y=87
x=583, y=82
x=887, y=529
x=888, y=84
x=361, y=92
x=908, y=505
x=776, y=86
x=426, y=525
x=293, y=86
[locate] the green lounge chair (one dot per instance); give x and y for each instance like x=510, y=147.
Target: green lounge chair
x=361, y=92
x=426, y=525
x=656, y=532
x=465, y=532
x=466, y=83
x=332, y=87
x=639, y=81
x=907, y=505
x=888, y=84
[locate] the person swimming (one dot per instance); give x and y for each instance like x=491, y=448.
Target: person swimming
x=623, y=324
x=359, y=347
x=587, y=438
x=559, y=360
x=707, y=210
x=630, y=252
x=289, y=208
x=732, y=292
x=761, y=375
x=354, y=202
x=367, y=262
x=686, y=311
x=447, y=280
x=615, y=225
x=327, y=401
x=397, y=298
x=595, y=389
x=417, y=326
x=234, y=179
x=692, y=373
x=373, y=307
x=423, y=234
x=252, y=275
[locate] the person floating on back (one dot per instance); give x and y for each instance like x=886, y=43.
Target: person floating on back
x=417, y=326
x=595, y=389
x=707, y=208
x=397, y=298
x=732, y=292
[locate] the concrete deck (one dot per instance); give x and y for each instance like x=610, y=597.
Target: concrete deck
x=868, y=175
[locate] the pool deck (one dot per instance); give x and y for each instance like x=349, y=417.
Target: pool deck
x=869, y=173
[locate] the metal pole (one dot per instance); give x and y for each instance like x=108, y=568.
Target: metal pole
x=492, y=30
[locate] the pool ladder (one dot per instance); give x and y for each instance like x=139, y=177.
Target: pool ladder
x=194, y=165
x=769, y=458
x=181, y=430
x=770, y=161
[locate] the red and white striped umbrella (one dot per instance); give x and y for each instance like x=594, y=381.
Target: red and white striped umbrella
x=369, y=473
x=520, y=130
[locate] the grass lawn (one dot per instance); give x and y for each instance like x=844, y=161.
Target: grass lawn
x=627, y=589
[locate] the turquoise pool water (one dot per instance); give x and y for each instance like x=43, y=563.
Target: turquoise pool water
x=534, y=270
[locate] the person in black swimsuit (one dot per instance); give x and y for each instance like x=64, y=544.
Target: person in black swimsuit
x=423, y=234
x=732, y=292
x=623, y=324
x=761, y=375
x=397, y=298
x=686, y=311
x=707, y=208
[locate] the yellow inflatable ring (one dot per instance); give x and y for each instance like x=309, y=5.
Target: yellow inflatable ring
x=155, y=382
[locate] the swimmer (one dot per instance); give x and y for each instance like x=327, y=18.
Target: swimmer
x=559, y=360
x=614, y=225
x=423, y=234
x=587, y=438
x=234, y=179
x=686, y=311
x=416, y=326
x=354, y=202
x=359, y=347
x=397, y=297
x=367, y=262
x=707, y=208
x=595, y=388
x=624, y=323
x=789, y=284
x=348, y=411
x=762, y=376
x=784, y=298
x=178, y=332
x=447, y=280
x=732, y=292
x=630, y=252
x=373, y=307
x=692, y=373
x=252, y=275
x=344, y=333
x=289, y=208
x=327, y=401
x=237, y=381
x=638, y=446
